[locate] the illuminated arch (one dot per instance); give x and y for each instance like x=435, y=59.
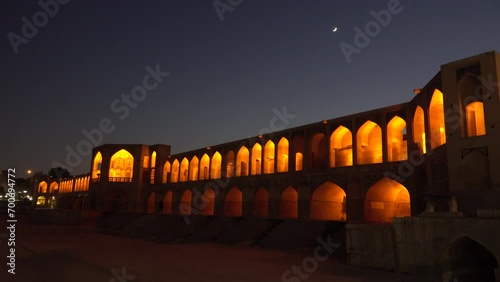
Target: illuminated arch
x=470, y=95
x=151, y=203
x=341, y=147
x=242, y=160
x=175, y=171
x=261, y=203
x=166, y=172
x=385, y=200
x=289, y=203
x=167, y=203
x=121, y=167
x=153, y=159
x=193, y=168
x=207, y=205
x=204, y=167
x=436, y=120
x=298, y=152
x=256, y=159
x=152, y=172
x=40, y=201
x=96, y=166
x=42, y=187
x=230, y=164
x=318, y=151
x=215, y=166
x=419, y=130
x=328, y=202
x=369, y=143
x=233, y=204
x=183, y=170
x=396, y=143
x=269, y=157
x=283, y=155
x=185, y=205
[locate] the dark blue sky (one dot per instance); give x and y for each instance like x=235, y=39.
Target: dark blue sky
x=225, y=76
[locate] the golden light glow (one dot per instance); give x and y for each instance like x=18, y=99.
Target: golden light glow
x=242, y=160
x=233, y=205
x=42, y=187
x=328, y=202
x=283, y=155
x=269, y=157
x=369, y=140
x=153, y=159
x=54, y=186
x=475, y=119
x=419, y=129
x=436, y=119
x=175, y=171
x=396, y=145
x=289, y=203
x=204, y=166
x=193, y=169
x=145, y=162
x=96, y=166
x=120, y=168
x=185, y=205
x=207, y=204
x=256, y=159
x=341, y=147
x=167, y=203
x=230, y=164
x=40, y=201
x=166, y=172
x=261, y=202
x=216, y=165
x=385, y=200
x=183, y=171
x=299, y=160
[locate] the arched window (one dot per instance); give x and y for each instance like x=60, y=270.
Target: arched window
x=369, y=143
x=215, y=166
x=242, y=159
x=419, y=130
x=341, y=147
x=166, y=172
x=256, y=159
x=396, y=143
x=436, y=120
x=204, y=166
x=96, y=166
x=184, y=169
x=193, y=169
x=175, y=171
x=269, y=157
x=283, y=155
x=120, y=169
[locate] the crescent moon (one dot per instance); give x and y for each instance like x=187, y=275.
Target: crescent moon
x=334, y=29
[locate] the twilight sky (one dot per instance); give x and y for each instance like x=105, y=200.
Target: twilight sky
x=225, y=77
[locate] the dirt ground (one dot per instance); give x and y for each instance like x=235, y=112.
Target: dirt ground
x=79, y=254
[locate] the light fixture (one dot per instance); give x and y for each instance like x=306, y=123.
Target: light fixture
x=417, y=91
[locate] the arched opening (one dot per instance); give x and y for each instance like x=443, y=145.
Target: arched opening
x=385, y=200
x=233, y=205
x=289, y=203
x=269, y=157
x=152, y=172
x=183, y=171
x=470, y=95
x=117, y=202
x=120, y=168
x=260, y=208
x=464, y=259
x=318, y=151
x=54, y=186
x=341, y=147
x=419, y=130
x=193, y=169
x=96, y=166
x=242, y=159
x=256, y=159
x=151, y=203
x=185, y=205
x=40, y=201
x=175, y=171
x=283, y=155
x=396, y=141
x=216, y=165
x=166, y=172
x=230, y=164
x=369, y=143
x=167, y=203
x=298, y=152
x=328, y=202
x=436, y=120
x=207, y=205
x=204, y=166
x=42, y=187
